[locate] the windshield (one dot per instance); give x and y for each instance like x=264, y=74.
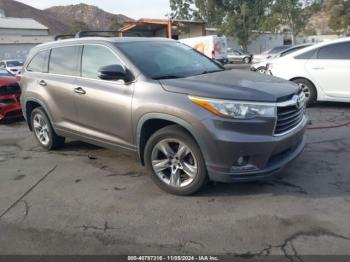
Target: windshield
x=4, y=73
x=167, y=59
x=14, y=63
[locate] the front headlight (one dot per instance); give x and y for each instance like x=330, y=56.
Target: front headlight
x=235, y=109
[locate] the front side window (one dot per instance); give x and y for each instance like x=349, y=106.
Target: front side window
x=94, y=57
x=167, y=59
x=64, y=60
x=39, y=63
x=339, y=51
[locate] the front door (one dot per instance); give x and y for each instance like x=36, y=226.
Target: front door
x=104, y=107
x=331, y=69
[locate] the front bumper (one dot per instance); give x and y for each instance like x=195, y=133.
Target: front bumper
x=11, y=111
x=264, y=154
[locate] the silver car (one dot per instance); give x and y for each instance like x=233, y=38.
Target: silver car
x=238, y=56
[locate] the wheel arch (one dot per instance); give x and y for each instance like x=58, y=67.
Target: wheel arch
x=307, y=79
x=150, y=123
x=29, y=105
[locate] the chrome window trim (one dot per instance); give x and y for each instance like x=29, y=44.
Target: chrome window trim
x=80, y=77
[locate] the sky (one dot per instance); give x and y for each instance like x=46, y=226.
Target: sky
x=132, y=8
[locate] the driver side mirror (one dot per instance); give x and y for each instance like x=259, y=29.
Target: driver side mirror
x=115, y=72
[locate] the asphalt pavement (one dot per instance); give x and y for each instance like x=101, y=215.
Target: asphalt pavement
x=84, y=199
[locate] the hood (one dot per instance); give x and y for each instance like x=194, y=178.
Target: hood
x=6, y=80
x=234, y=85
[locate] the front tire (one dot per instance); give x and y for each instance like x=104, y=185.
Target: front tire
x=43, y=131
x=308, y=89
x=247, y=60
x=175, y=161
x=261, y=70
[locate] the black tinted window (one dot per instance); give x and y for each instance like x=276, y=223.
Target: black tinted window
x=335, y=51
x=63, y=60
x=95, y=57
x=39, y=63
x=308, y=55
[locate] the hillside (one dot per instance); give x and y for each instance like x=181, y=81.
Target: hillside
x=63, y=19
x=92, y=16
x=17, y=9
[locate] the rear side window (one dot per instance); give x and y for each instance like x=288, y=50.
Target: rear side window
x=312, y=54
x=337, y=51
x=95, y=57
x=39, y=63
x=64, y=60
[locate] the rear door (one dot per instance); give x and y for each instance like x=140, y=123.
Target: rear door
x=104, y=107
x=331, y=69
x=58, y=86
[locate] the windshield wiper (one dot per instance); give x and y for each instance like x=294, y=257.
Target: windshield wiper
x=212, y=71
x=166, y=77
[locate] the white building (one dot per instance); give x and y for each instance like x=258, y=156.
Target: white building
x=19, y=35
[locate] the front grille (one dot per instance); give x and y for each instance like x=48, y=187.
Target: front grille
x=290, y=115
x=11, y=89
x=16, y=113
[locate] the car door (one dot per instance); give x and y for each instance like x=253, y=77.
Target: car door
x=104, y=107
x=59, y=86
x=331, y=69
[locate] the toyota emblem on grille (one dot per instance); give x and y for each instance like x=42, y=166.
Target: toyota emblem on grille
x=298, y=101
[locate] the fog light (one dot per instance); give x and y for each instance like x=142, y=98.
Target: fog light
x=242, y=165
x=242, y=161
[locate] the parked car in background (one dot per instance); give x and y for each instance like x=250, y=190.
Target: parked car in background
x=238, y=56
x=10, y=92
x=14, y=66
x=321, y=70
x=188, y=119
x=269, y=53
x=213, y=46
x=262, y=66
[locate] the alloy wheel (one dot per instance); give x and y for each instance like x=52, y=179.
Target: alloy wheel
x=306, y=90
x=174, y=163
x=41, y=129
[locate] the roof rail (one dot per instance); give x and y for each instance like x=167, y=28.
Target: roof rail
x=95, y=33
x=60, y=37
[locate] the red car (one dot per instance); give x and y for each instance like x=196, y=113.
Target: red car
x=10, y=106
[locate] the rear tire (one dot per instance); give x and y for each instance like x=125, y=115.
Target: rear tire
x=175, y=161
x=309, y=90
x=43, y=131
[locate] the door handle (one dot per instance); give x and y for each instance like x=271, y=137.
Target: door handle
x=318, y=68
x=42, y=83
x=80, y=91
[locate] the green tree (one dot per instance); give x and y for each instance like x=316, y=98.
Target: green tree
x=339, y=20
x=181, y=9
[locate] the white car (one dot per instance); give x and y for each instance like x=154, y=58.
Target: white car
x=269, y=53
x=13, y=66
x=262, y=66
x=321, y=70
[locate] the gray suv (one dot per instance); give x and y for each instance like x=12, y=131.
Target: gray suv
x=187, y=118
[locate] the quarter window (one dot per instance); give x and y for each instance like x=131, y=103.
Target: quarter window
x=39, y=63
x=64, y=60
x=339, y=51
x=94, y=57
